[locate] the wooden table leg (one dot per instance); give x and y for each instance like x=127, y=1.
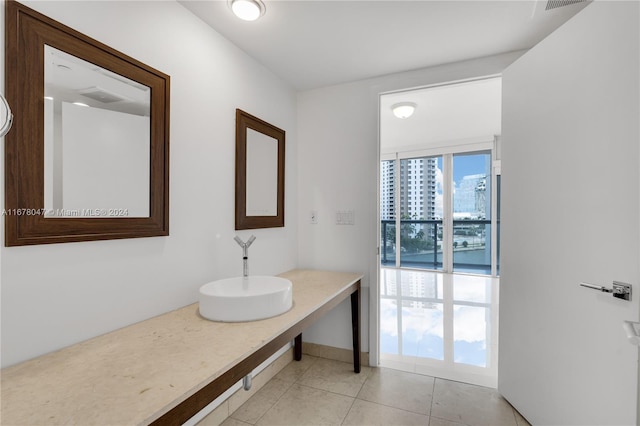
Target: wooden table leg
x=355, y=328
x=297, y=347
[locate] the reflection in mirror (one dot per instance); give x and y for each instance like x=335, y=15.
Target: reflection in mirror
x=262, y=174
x=96, y=141
x=81, y=173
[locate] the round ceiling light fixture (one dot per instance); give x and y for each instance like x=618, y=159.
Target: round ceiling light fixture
x=403, y=109
x=247, y=10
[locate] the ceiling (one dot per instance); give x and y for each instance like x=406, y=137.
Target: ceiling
x=460, y=113
x=312, y=44
x=70, y=79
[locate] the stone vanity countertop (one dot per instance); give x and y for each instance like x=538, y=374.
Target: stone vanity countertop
x=136, y=374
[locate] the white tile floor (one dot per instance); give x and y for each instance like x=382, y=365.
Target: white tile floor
x=443, y=325
x=317, y=391
x=438, y=336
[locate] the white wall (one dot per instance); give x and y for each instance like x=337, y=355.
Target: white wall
x=570, y=214
x=57, y=295
x=338, y=167
x=105, y=161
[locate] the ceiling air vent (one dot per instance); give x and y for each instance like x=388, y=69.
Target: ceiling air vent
x=101, y=95
x=554, y=4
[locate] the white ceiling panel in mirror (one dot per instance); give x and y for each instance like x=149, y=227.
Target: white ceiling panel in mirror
x=96, y=140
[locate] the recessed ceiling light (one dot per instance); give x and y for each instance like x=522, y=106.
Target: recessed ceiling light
x=247, y=10
x=403, y=109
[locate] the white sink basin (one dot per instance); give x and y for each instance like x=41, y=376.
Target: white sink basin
x=245, y=298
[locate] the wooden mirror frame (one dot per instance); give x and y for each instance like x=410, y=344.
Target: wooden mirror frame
x=27, y=32
x=246, y=121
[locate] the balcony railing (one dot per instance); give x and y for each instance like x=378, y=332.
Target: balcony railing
x=421, y=244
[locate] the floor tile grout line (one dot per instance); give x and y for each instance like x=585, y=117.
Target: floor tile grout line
x=391, y=406
x=291, y=383
x=309, y=387
x=299, y=377
x=448, y=420
x=325, y=390
x=348, y=411
x=433, y=394
x=275, y=403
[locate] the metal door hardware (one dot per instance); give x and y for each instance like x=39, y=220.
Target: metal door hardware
x=620, y=290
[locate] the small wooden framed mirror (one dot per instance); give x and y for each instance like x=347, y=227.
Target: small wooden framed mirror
x=88, y=156
x=260, y=149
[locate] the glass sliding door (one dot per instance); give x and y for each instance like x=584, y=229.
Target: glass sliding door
x=471, y=236
x=388, y=212
x=420, y=219
x=436, y=212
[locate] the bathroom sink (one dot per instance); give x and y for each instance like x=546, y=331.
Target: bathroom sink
x=245, y=298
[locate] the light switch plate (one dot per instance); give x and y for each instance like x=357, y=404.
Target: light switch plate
x=345, y=217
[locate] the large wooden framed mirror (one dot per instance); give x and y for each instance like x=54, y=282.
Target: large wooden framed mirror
x=88, y=156
x=260, y=150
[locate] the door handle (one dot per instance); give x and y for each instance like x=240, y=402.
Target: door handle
x=620, y=290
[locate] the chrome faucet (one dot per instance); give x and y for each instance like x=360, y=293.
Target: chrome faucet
x=245, y=256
